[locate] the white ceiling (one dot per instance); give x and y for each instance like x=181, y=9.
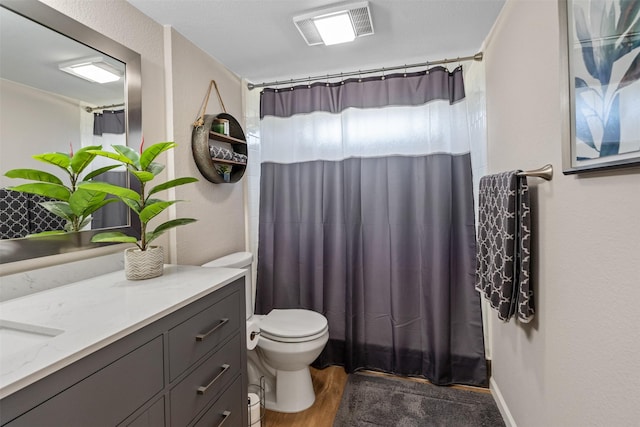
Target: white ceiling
x=257, y=40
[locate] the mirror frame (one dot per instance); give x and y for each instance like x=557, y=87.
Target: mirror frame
x=14, y=250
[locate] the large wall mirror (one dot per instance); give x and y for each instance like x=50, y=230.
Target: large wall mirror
x=46, y=107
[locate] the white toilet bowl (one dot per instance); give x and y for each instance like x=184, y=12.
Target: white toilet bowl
x=290, y=340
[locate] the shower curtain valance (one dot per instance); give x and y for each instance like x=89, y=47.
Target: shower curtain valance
x=372, y=92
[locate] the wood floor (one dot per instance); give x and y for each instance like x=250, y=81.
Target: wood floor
x=328, y=385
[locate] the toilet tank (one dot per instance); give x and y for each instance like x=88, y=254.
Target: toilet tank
x=239, y=260
x=235, y=260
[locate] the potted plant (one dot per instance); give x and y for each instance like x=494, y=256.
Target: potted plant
x=145, y=261
x=70, y=202
x=225, y=171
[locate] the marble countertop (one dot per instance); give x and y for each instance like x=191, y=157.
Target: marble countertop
x=46, y=331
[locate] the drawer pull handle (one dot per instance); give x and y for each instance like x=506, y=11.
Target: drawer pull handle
x=202, y=337
x=225, y=415
x=203, y=389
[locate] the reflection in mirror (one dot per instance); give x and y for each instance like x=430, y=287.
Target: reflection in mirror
x=70, y=111
x=48, y=106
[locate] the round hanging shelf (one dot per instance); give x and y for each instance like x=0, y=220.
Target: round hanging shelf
x=202, y=141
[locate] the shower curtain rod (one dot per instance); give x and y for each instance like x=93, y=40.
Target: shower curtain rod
x=476, y=57
x=102, y=107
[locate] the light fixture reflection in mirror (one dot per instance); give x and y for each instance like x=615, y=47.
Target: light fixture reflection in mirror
x=45, y=109
x=96, y=70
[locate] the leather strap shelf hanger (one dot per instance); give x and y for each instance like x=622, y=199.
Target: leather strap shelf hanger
x=221, y=156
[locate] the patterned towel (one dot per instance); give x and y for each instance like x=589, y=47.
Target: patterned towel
x=21, y=214
x=220, y=153
x=226, y=154
x=240, y=158
x=504, y=237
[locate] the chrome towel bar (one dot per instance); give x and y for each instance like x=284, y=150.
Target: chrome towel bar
x=545, y=172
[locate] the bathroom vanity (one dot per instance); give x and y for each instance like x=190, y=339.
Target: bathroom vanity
x=169, y=351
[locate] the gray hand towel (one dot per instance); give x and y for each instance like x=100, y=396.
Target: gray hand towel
x=504, y=236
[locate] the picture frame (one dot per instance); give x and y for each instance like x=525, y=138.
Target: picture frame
x=600, y=84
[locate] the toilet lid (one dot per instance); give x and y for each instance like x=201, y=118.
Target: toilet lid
x=292, y=323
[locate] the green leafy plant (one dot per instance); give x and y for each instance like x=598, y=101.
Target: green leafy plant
x=72, y=203
x=144, y=169
x=222, y=169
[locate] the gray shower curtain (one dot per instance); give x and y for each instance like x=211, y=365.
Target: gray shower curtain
x=382, y=243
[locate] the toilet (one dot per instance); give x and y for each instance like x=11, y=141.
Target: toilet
x=289, y=341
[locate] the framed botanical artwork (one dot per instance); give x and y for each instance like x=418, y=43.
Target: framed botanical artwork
x=600, y=43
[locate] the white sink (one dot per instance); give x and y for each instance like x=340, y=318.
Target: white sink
x=16, y=336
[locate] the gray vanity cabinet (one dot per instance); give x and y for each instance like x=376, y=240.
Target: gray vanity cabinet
x=187, y=368
x=152, y=417
x=102, y=396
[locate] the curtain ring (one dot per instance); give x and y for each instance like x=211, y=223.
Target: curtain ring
x=291, y=83
x=276, y=88
x=405, y=70
x=341, y=79
x=383, y=76
x=309, y=83
x=327, y=83
x=427, y=71
x=359, y=76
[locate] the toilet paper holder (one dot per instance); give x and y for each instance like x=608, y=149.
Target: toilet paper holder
x=253, y=333
x=255, y=401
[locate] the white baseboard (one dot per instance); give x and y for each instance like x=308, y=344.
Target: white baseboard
x=502, y=405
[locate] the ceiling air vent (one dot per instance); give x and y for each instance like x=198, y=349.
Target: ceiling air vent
x=361, y=19
x=358, y=13
x=309, y=32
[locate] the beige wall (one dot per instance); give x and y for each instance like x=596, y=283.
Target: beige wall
x=578, y=363
x=219, y=208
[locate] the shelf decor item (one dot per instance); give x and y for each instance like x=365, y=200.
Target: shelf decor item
x=225, y=171
x=601, y=84
x=217, y=141
x=145, y=261
x=221, y=126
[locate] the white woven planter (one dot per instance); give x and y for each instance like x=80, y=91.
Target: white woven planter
x=140, y=265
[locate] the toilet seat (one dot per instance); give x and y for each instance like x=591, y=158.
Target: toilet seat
x=293, y=325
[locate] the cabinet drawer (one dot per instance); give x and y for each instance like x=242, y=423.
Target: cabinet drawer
x=152, y=417
x=227, y=411
x=198, y=335
x=108, y=396
x=206, y=382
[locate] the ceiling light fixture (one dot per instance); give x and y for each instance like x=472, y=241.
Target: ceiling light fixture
x=335, y=29
x=92, y=69
x=338, y=24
